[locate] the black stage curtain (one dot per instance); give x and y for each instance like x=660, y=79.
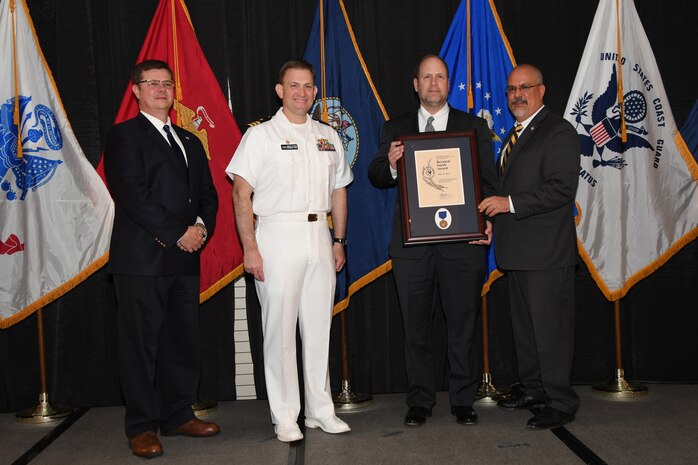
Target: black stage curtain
x=91, y=45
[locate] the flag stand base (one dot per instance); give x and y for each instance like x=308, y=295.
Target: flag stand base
x=347, y=400
x=620, y=388
x=486, y=392
x=204, y=406
x=43, y=413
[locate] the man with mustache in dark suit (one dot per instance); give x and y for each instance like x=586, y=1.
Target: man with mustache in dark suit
x=535, y=244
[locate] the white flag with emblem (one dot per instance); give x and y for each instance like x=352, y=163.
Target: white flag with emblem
x=55, y=212
x=637, y=201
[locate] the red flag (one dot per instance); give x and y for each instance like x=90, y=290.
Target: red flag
x=201, y=108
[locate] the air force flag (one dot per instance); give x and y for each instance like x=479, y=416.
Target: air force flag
x=479, y=59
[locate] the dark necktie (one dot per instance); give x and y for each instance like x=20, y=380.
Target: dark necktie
x=512, y=140
x=175, y=149
x=429, y=127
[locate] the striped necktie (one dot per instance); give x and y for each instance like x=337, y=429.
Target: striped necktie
x=512, y=140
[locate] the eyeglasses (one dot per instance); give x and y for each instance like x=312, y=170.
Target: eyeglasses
x=155, y=83
x=522, y=88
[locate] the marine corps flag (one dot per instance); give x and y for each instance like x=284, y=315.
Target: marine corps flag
x=479, y=59
x=349, y=102
x=201, y=108
x=55, y=214
x=637, y=200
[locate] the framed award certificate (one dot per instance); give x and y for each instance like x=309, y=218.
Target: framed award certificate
x=439, y=178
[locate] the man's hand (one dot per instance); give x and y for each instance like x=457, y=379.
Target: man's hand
x=252, y=261
x=339, y=256
x=494, y=205
x=397, y=150
x=488, y=231
x=192, y=240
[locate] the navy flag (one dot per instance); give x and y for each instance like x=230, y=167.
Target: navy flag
x=479, y=58
x=349, y=102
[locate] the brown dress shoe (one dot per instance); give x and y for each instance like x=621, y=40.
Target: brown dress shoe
x=195, y=428
x=146, y=445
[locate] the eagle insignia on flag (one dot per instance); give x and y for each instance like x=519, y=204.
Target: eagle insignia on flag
x=43, y=134
x=603, y=132
x=191, y=121
x=342, y=122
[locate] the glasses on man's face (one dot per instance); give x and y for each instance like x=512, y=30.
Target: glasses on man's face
x=522, y=88
x=155, y=83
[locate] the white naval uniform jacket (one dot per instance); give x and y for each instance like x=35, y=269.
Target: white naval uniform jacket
x=292, y=168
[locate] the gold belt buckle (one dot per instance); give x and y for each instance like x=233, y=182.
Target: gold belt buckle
x=312, y=217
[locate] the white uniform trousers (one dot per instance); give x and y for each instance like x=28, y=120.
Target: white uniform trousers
x=298, y=286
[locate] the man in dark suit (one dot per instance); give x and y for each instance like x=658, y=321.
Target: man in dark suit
x=535, y=243
x=166, y=206
x=454, y=270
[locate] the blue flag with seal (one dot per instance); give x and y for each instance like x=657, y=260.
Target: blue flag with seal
x=349, y=102
x=479, y=58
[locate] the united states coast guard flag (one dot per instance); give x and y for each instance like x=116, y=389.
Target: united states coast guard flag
x=55, y=213
x=348, y=101
x=479, y=58
x=200, y=107
x=637, y=200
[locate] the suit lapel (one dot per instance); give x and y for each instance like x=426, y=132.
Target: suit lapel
x=504, y=145
x=414, y=122
x=165, y=150
x=523, y=138
x=452, y=124
x=185, y=137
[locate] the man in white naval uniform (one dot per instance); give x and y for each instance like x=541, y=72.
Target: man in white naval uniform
x=296, y=169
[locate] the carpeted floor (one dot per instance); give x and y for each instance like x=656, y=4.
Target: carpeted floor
x=658, y=429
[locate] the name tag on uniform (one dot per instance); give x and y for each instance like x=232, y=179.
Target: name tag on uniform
x=289, y=146
x=324, y=145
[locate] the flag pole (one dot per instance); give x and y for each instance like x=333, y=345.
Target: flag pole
x=486, y=393
x=347, y=399
x=44, y=412
x=15, y=114
x=619, y=388
x=200, y=406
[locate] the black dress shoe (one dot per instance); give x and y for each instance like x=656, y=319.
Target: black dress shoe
x=522, y=401
x=464, y=415
x=417, y=416
x=549, y=418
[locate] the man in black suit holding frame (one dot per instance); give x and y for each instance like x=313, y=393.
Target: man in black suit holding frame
x=455, y=270
x=166, y=207
x=535, y=244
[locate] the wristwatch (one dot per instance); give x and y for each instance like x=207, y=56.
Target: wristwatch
x=340, y=240
x=203, y=229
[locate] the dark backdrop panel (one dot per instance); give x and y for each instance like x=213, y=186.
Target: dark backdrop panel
x=91, y=46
